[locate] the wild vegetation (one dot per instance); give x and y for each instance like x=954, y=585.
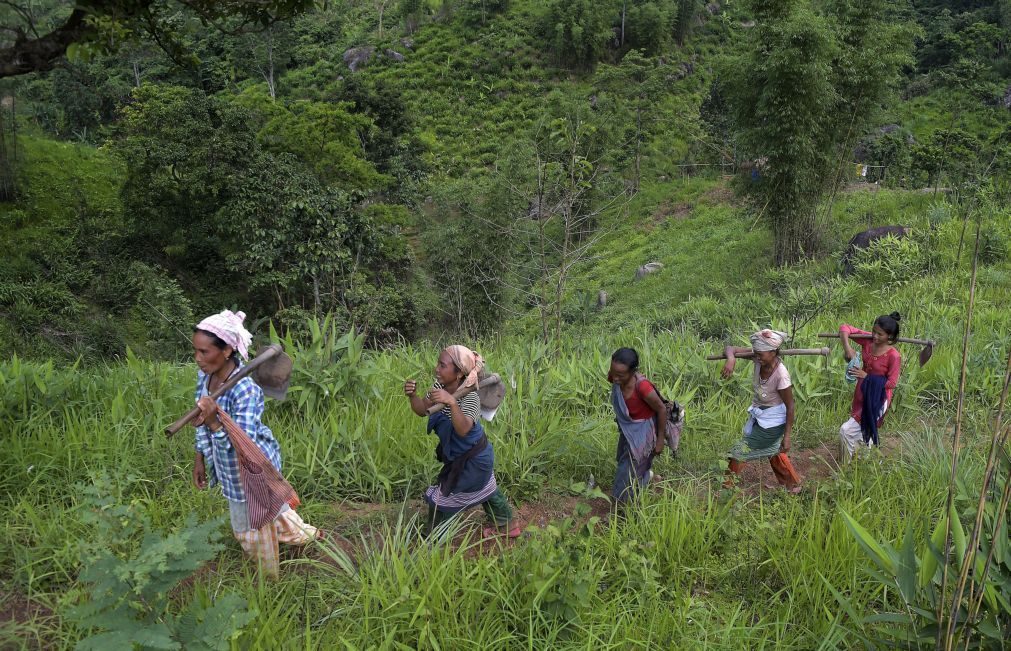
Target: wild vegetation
x=483, y=172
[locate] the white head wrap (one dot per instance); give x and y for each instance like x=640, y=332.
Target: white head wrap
x=764, y=340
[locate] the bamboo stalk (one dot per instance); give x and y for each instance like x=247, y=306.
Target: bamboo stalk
x=783, y=353
x=949, y=630
x=996, y=443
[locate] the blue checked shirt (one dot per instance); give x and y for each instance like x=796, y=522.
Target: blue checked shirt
x=244, y=403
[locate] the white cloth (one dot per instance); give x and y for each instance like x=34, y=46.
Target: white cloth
x=766, y=418
x=227, y=326
x=851, y=437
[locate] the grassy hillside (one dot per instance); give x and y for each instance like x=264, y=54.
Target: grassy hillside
x=690, y=566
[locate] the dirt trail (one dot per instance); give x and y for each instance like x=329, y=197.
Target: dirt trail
x=358, y=528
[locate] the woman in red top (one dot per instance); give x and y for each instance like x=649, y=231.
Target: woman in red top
x=880, y=358
x=642, y=422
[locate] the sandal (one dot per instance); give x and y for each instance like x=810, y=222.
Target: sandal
x=494, y=532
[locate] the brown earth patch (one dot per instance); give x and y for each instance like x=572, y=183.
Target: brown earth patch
x=20, y=615
x=666, y=210
x=718, y=194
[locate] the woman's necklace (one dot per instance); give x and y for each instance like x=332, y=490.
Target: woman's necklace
x=213, y=383
x=763, y=382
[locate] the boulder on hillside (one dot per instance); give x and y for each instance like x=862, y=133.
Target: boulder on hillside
x=358, y=57
x=1006, y=102
x=647, y=269
x=393, y=55
x=407, y=42
x=864, y=239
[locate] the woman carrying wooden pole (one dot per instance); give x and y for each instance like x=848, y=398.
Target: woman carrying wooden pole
x=771, y=414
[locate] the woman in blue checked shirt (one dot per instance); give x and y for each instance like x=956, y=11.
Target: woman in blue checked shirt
x=218, y=343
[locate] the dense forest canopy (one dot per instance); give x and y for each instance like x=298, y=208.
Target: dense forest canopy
x=416, y=166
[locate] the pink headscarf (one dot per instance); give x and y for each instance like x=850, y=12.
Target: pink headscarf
x=227, y=325
x=467, y=361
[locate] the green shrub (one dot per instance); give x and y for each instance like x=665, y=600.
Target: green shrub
x=889, y=262
x=129, y=571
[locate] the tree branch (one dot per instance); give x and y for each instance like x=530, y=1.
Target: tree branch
x=41, y=54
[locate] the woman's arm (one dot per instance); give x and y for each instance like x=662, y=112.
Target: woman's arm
x=787, y=396
x=845, y=330
x=653, y=400
x=419, y=404
x=731, y=352
x=462, y=423
x=894, y=368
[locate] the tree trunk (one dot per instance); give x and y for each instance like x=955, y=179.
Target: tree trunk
x=623, y=23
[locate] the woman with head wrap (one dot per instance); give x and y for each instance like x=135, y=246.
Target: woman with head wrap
x=770, y=417
x=220, y=343
x=467, y=478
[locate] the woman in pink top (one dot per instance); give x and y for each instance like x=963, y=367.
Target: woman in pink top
x=880, y=359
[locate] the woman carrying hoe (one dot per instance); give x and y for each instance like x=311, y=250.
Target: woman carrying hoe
x=467, y=478
x=219, y=341
x=877, y=376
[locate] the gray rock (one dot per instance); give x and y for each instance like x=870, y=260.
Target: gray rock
x=713, y=8
x=1006, y=102
x=647, y=269
x=601, y=298
x=889, y=128
x=395, y=56
x=408, y=43
x=358, y=57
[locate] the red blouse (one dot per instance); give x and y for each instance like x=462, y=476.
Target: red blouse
x=888, y=364
x=638, y=409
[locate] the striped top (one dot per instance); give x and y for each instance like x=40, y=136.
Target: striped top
x=470, y=404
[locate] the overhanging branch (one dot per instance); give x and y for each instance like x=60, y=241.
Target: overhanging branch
x=41, y=54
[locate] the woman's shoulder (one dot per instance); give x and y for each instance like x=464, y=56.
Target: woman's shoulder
x=643, y=384
x=246, y=386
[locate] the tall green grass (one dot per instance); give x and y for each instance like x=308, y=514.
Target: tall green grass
x=689, y=567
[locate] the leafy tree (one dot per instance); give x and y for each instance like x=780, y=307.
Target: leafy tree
x=265, y=55
x=34, y=43
x=578, y=31
x=325, y=136
x=183, y=151
x=638, y=88
x=687, y=11
x=801, y=93
x=647, y=26
x=780, y=92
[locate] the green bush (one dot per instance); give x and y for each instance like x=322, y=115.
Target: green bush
x=129, y=569
x=889, y=262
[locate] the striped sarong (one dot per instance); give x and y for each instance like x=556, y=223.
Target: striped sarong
x=455, y=502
